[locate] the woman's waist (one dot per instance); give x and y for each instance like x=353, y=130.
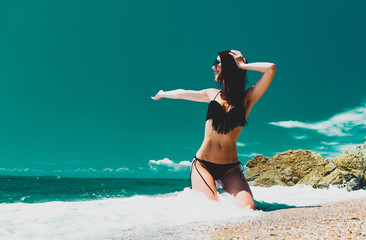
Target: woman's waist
x=220, y=141
x=216, y=163
x=216, y=156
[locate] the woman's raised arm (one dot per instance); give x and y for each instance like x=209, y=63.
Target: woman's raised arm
x=268, y=70
x=198, y=96
x=263, y=83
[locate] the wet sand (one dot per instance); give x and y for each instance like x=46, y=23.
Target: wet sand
x=337, y=220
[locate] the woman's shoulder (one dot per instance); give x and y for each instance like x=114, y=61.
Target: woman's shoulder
x=212, y=92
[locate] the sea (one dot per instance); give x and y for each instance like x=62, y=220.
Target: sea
x=98, y=208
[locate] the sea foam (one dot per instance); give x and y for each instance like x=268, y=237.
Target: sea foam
x=84, y=219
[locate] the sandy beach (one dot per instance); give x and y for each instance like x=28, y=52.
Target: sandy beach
x=337, y=220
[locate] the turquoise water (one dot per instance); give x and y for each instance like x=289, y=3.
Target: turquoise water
x=45, y=189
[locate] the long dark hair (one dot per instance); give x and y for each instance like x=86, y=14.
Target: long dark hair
x=232, y=80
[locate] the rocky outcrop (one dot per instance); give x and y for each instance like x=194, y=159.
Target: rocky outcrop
x=310, y=168
x=353, y=161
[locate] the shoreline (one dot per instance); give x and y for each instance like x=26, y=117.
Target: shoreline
x=336, y=220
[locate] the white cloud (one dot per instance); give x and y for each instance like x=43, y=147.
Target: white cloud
x=85, y=170
x=169, y=164
x=343, y=124
x=330, y=143
x=334, y=149
x=249, y=155
x=346, y=147
x=122, y=169
x=300, y=137
x=15, y=169
x=115, y=170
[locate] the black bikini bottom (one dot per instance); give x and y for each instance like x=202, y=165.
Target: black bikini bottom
x=216, y=170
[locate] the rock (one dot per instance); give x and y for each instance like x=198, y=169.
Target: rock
x=310, y=168
x=353, y=161
x=342, y=179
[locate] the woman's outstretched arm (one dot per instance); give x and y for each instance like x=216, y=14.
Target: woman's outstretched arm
x=198, y=96
x=268, y=70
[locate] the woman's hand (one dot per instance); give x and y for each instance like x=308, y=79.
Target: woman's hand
x=158, y=96
x=238, y=57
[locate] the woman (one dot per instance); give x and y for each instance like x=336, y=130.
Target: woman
x=228, y=110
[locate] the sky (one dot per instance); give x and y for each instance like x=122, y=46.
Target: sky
x=76, y=79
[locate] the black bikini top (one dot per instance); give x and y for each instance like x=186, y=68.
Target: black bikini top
x=224, y=122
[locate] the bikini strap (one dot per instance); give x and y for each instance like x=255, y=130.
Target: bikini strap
x=216, y=95
x=242, y=176
x=194, y=164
